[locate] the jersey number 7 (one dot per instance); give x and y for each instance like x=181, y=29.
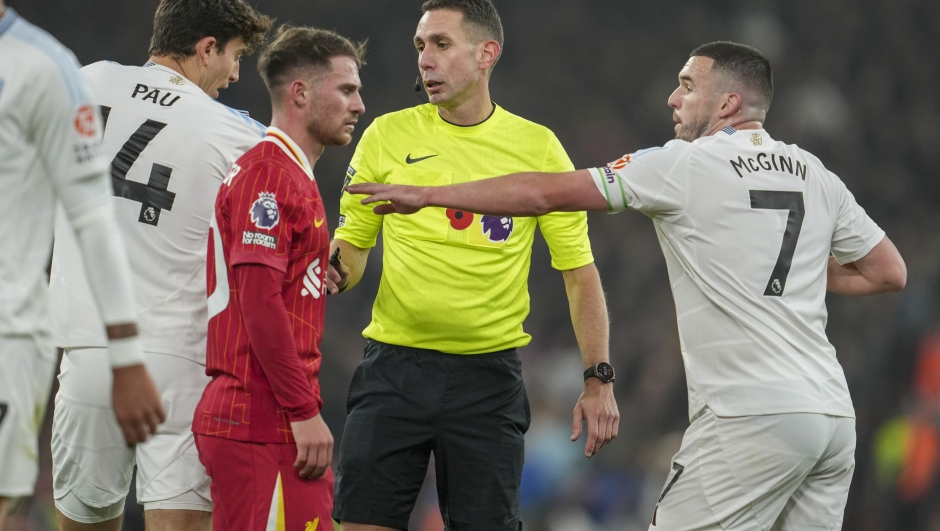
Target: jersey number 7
x=792, y=202
x=153, y=196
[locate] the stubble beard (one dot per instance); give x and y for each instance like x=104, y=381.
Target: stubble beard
x=328, y=135
x=691, y=131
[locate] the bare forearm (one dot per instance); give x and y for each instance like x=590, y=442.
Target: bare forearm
x=588, y=313
x=848, y=280
x=353, y=258
x=521, y=194
x=880, y=271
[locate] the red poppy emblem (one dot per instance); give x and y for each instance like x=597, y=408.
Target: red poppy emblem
x=459, y=219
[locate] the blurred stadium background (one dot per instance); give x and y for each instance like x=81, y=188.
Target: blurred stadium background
x=856, y=84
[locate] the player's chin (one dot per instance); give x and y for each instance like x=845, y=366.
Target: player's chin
x=342, y=138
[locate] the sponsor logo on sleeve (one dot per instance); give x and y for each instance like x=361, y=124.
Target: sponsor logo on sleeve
x=86, y=151
x=342, y=221
x=609, y=174
x=85, y=122
x=259, y=238
x=351, y=172
x=620, y=163
x=264, y=211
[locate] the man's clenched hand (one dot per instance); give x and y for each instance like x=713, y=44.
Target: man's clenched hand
x=314, y=447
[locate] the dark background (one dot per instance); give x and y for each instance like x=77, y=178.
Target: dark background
x=857, y=84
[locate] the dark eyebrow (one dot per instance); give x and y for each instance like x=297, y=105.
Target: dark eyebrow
x=434, y=37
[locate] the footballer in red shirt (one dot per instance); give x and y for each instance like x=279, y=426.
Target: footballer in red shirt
x=258, y=426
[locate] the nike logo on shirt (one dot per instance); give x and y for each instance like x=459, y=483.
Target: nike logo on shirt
x=410, y=160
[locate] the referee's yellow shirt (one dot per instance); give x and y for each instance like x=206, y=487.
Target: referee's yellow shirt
x=453, y=281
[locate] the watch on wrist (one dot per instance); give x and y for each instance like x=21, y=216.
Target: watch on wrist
x=602, y=371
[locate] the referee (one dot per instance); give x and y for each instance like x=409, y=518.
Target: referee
x=441, y=374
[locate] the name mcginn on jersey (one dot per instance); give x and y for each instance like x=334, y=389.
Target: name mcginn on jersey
x=772, y=162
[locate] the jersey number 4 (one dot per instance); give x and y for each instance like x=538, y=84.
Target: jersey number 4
x=792, y=202
x=153, y=196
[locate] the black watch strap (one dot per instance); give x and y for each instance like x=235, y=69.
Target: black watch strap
x=602, y=371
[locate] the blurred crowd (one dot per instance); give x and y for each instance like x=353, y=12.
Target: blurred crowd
x=856, y=84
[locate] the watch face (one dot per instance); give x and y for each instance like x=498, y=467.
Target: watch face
x=605, y=371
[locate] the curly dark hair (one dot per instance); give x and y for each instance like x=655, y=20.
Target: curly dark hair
x=179, y=24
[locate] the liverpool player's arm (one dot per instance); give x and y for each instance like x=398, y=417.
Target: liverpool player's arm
x=272, y=341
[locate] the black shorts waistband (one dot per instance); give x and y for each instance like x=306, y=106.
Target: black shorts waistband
x=388, y=347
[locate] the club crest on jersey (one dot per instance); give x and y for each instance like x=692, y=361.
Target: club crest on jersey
x=85, y=121
x=264, y=212
x=499, y=228
x=620, y=163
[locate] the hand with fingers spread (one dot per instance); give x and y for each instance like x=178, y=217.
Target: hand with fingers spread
x=137, y=404
x=598, y=409
x=402, y=199
x=314, y=447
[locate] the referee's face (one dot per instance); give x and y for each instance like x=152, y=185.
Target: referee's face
x=693, y=102
x=447, y=58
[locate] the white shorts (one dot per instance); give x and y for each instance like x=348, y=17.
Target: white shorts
x=771, y=472
x=27, y=366
x=90, y=459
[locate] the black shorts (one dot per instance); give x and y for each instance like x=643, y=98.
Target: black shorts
x=471, y=411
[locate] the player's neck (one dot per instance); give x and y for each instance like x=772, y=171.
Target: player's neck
x=298, y=132
x=471, y=111
x=740, y=124
x=187, y=68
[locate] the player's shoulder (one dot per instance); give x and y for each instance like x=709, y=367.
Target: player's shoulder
x=409, y=118
x=523, y=126
x=40, y=58
x=266, y=158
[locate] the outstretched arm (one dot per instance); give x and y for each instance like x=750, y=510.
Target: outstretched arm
x=520, y=194
x=880, y=271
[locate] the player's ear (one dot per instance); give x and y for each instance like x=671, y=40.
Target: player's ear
x=299, y=92
x=204, y=49
x=488, y=54
x=730, y=104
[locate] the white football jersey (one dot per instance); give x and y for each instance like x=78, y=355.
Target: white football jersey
x=50, y=136
x=747, y=225
x=170, y=146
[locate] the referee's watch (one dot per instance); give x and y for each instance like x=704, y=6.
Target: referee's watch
x=602, y=371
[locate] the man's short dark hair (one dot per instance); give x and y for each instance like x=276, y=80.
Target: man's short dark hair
x=743, y=64
x=481, y=15
x=179, y=24
x=294, y=48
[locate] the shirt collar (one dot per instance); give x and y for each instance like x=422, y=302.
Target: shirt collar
x=286, y=143
x=6, y=21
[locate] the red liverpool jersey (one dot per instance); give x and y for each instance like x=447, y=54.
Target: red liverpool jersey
x=268, y=211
